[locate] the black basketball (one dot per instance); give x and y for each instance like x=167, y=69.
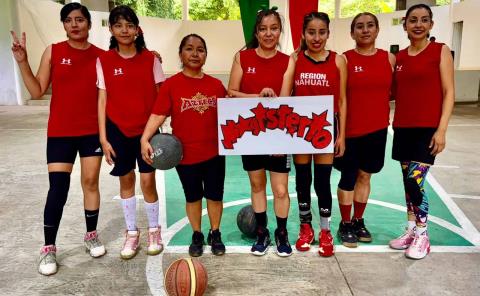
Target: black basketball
x=246, y=221
x=167, y=151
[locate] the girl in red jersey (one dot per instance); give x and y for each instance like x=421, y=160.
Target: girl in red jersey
x=368, y=92
x=128, y=75
x=313, y=60
x=72, y=125
x=258, y=72
x=190, y=98
x=424, y=97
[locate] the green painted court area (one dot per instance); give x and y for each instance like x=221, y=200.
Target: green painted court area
x=383, y=217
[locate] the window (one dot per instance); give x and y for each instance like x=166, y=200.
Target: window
x=350, y=8
x=214, y=10
x=169, y=9
x=327, y=6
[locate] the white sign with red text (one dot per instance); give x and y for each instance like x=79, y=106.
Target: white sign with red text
x=285, y=125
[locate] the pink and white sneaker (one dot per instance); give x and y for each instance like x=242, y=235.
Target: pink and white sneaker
x=154, y=243
x=419, y=248
x=403, y=241
x=130, y=246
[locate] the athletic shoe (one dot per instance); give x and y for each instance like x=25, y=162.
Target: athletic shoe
x=362, y=233
x=196, y=247
x=419, y=248
x=260, y=247
x=305, y=237
x=326, y=247
x=93, y=245
x=214, y=239
x=403, y=241
x=154, y=241
x=47, y=263
x=130, y=246
x=347, y=235
x=283, y=245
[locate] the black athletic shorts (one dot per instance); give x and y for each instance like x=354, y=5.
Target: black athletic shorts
x=411, y=144
x=127, y=150
x=276, y=164
x=366, y=153
x=203, y=179
x=64, y=149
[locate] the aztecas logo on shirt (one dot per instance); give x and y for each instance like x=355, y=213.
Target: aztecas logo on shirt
x=199, y=103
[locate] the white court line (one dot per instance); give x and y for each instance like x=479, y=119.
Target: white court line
x=464, y=125
x=440, y=166
x=458, y=214
x=338, y=249
x=465, y=196
x=468, y=227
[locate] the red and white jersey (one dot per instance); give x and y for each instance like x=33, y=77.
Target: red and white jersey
x=259, y=73
x=418, y=88
x=73, y=106
x=192, y=105
x=314, y=78
x=131, y=88
x=368, y=92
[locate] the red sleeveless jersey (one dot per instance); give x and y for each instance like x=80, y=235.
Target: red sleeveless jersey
x=259, y=72
x=368, y=92
x=314, y=78
x=192, y=104
x=418, y=88
x=73, y=107
x=131, y=91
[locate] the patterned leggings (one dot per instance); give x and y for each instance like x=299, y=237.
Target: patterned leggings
x=414, y=175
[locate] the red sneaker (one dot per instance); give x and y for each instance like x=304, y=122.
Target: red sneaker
x=326, y=247
x=305, y=237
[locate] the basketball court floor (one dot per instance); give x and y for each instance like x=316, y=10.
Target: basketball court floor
x=453, y=267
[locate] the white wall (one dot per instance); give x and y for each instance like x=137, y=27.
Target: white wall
x=40, y=20
x=9, y=89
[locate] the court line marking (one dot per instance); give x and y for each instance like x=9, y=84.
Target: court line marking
x=464, y=196
x=154, y=268
x=440, y=166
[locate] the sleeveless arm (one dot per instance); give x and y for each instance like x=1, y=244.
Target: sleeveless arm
x=288, y=77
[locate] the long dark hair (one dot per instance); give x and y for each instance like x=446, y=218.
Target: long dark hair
x=354, y=21
x=310, y=17
x=419, y=6
x=126, y=13
x=260, y=15
x=66, y=9
x=185, y=39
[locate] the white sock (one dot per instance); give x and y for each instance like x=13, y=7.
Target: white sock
x=411, y=225
x=129, y=206
x=152, y=213
x=325, y=223
x=420, y=230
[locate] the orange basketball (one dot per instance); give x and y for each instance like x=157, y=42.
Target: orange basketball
x=186, y=277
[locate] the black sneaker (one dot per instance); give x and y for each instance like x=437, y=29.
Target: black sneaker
x=196, y=247
x=347, y=235
x=361, y=231
x=283, y=245
x=214, y=239
x=260, y=247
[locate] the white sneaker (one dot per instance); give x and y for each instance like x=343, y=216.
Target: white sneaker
x=419, y=248
x=130, y=246
x=93, y=244
x=154, y=241
x=47, y=263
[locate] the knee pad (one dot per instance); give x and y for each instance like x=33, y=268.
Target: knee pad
x=414, y=191
x=303, y=181
x=347, y=180
x=321, y=183
x=56, y=198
